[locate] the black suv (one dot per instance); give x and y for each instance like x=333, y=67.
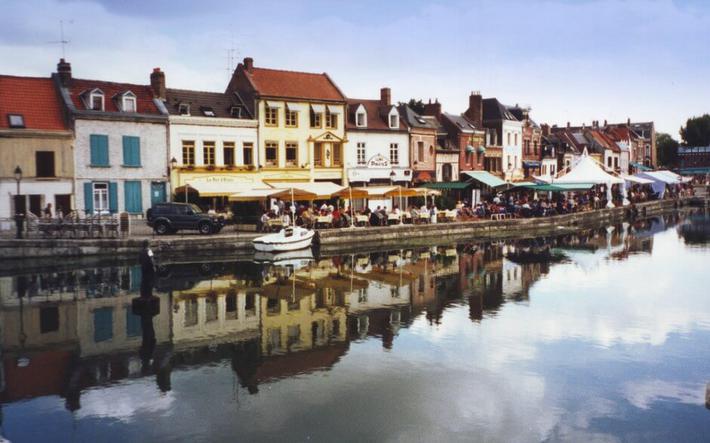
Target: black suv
x=168, y=218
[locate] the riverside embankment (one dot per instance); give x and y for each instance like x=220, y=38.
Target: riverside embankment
x=46, y=251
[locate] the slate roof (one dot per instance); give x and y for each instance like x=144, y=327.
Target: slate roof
x=461, y=123
x=35, y=98
x=220, y=102
x=377, y=114
x=293, y=84
x=495, y=110
x=112, y=91
x=415, y=120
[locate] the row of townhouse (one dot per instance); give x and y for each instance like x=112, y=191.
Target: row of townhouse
x=105, y=147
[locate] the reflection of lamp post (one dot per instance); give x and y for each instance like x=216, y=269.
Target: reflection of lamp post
x=173, y=167
x=19, y=217
x=510, y=172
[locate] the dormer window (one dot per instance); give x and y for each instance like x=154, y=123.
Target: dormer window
x=207, y=111
x=16, y=120
x=394, y=119
x=128, y=102
x=96, y=100
x=360, y=117
x=184, y=109
x=235, y=111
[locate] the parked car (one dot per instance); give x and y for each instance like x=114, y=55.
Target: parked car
x=168, y=218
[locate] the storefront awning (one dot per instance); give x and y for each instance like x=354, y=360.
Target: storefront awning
x=273, y=104
x=253, y=195
x=695, y=171
x=555, y=187
x=334, y=109
x=640, y=166
x=485, y=177
x=322, y=190
x=531, y=163
x=215, y=188
x=638, y=180
x=295, y=106
x=447, y=185
x=318, y=109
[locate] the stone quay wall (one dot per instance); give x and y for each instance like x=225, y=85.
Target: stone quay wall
x=14, y=252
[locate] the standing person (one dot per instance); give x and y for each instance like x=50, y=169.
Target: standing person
x=48, y=211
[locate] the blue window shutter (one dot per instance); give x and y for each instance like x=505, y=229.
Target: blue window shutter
x=88, y=198
x=113, y=197
x=133, y=323
x=133, y=197
x=103, y=324
x=99, y=149
x=131, y=151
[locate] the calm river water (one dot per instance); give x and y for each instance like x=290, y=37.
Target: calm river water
x=598, y=336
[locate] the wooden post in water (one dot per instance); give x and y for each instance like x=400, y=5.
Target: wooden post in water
x=707, y=396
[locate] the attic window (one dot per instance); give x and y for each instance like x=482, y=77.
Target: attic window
x=360, y=123
x=421, y=120
x=394, y=121
x=235, y=111
x=16, y=120
x=129, y=102
x=96, y=100
x=184, y=109
x=208, y=111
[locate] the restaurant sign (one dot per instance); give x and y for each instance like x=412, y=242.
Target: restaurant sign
x=378, y=161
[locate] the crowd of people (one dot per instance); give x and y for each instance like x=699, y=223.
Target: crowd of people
x=510, y=204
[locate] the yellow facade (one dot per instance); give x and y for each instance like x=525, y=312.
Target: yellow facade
x=320, y=149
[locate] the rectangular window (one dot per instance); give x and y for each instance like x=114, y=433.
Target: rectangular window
x=509, y=139
x=211, y=309
x=131, y=151
x=100, y=199
x=188, y=153
x=228, y=151
x=133, y=323
x=360, y=119
x=99, y=150
x=291, y=118
x=44, y=163
x=361, y=154
x=316, y=119
x=331, y=120
x=292, y=154
x=231, y=305
x=394, y=154
x=271, y=116
x=337, y=154
x=97, y=102
x=133, y=197
x=420, y=151
x=129, y=104
x=191, y=312
x=318, y=154
x=271, y=153
x=248, y=152
x=103, y=324
x=208, y=153
x=48, y=319
x=394, y=121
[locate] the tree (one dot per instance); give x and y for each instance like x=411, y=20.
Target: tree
x=667, y=148
x=417, y=105
x=696, y=131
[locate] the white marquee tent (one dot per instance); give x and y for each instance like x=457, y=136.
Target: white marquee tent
x=587, y=170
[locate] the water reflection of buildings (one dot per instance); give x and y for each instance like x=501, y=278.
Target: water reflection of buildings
x=62, y=333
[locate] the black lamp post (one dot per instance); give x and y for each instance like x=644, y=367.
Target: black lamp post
x=173, y=167
x=19, y=217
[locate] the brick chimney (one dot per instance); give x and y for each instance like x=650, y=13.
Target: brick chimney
x=64, y=72
x=475, y=109
x=567, y=125
x=157, y=83
x=628, y=121
x=545, y=129
x=433, y=109
x=385, y=96
x=248, y=64
x=605, y=123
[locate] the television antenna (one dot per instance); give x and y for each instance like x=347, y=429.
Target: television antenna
x=62, y=40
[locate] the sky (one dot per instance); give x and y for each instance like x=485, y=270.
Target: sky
x=574, y=61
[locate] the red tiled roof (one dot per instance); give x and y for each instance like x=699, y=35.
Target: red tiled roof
x=35, y=98
x=618, y=133
x=292, y=84
x=111, y=90
x=376, y=115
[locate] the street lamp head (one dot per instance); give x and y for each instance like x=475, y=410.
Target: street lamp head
x=393, y=174
x=173, y=162
x=18, y=173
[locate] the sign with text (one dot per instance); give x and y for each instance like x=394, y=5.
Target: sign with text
x=378, y=161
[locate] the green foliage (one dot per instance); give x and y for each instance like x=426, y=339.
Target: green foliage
x=667, y=148
x=417, y=105
x=697, y=131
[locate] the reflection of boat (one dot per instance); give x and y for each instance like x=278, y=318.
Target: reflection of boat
x=291, y=238
x=293, y=258
x=534, y=255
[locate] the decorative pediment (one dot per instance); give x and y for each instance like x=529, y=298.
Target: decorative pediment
x=378, y=161
x=327, y=137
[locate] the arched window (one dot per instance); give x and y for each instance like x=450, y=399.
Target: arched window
x=446, y=172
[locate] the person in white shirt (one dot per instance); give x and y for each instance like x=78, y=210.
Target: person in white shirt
x=275, y=206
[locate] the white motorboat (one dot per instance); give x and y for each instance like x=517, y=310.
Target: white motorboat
x=296, y=259
x=291, y=238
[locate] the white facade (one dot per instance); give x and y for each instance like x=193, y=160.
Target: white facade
x=152, y=172
x=447, y=160
x=611, y=160
x=370, y=154
x=512, y=143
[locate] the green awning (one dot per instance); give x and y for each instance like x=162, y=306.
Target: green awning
x=640, y=167
x=544, y=187
x=695, y=171
x=486, y=178
x=447, y=185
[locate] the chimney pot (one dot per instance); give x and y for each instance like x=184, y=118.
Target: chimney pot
x=605, y=123
x=568, y=124
x=248, y=63
x=64, y=72
x=386, y=96
x=475, y=109
x=157, y=83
